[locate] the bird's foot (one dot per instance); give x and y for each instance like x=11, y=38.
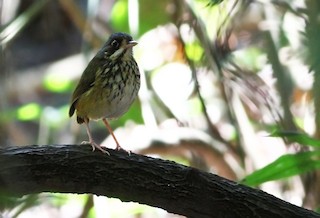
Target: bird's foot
x=94, y=146
x=119, y=148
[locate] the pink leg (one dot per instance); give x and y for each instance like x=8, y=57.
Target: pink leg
x=112, y=134
x=91, y=141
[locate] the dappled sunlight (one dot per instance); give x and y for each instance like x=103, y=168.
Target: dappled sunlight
x=228, y=87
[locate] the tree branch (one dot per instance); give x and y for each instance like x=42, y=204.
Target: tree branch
x=155, y=182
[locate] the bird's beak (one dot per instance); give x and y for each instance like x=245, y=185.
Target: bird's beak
x=131, y=44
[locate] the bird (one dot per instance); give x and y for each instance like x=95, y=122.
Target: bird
x=108, y=86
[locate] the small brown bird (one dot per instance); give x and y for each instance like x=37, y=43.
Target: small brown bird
x=108, y=85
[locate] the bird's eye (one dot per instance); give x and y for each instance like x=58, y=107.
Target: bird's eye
x=115, y=43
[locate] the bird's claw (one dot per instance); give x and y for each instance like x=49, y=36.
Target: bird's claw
x=119, y=148
x=94, y=146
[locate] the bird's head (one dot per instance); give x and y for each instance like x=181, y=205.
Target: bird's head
x=119, y=47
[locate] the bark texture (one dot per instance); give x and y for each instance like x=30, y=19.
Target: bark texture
x=155, y=182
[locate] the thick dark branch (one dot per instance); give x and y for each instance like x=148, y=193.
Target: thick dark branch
x=159, y=183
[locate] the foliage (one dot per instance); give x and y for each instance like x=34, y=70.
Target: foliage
x=218, y=77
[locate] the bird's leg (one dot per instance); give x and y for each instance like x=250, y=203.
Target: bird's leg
x=113, y=136
x=93, y=144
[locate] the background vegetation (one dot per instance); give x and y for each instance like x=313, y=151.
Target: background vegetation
x=230, y=87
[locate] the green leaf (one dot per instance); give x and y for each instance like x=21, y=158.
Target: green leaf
x=214, y=2
x=284, y=167
x=194, y=51
x=57, y=83
x=134, y=113
x=29, y=111
x=298, y=137
x=151, y=14
x=119, y=16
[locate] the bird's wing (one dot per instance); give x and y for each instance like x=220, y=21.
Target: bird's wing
x=86, y=82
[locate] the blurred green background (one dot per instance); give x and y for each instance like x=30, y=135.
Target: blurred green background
x=230, y=87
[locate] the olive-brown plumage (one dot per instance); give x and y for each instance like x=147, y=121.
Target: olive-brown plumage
x=108, y=85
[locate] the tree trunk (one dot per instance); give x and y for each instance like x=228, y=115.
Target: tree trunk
x=155, y=182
